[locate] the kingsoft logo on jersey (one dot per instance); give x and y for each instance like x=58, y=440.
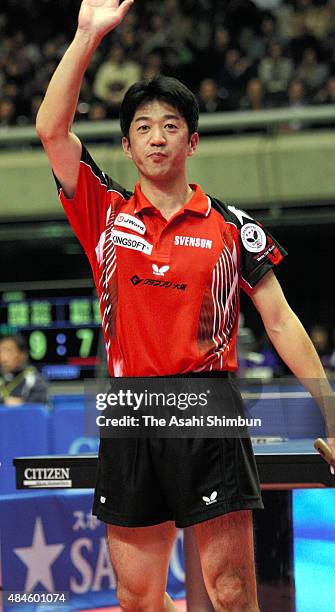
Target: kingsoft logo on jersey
x=129, y=241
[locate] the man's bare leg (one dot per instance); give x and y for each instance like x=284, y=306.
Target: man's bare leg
x=169, y=606
x=140, y=557
x=227, y=558
x=196, y=594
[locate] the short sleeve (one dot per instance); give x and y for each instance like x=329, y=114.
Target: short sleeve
x=259, y=250
x=96, y=194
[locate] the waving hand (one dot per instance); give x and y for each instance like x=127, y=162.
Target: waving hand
x=102, y=16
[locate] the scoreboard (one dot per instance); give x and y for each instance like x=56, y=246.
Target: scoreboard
x=61, y=327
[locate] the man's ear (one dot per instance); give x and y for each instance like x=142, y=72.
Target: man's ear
x=193, y=144
x=126, y=147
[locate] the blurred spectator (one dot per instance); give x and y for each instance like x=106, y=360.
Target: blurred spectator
x=255, y=98
x=301, y=39
x=113, y=79
x=160, y=36
x=181, y=58
x=296, y=99
x=20, y=382
x=327, y=94
x=212, y=58
x=209, y=98
x=130, y=43
x=297, y=94
x=275, y=72
x=7, y=112
x=233, y=75
x=284, y=17
x=314, y=16
x=255, y=45
x=153, y=66
x=97, y=111
x=322, y=342
x=312, y=73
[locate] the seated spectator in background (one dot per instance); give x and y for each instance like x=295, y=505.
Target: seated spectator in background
x=296, y=95
x=153, y=66
x=283, y=14
x=233, y=75
x=322, y=342
x=97, y=111
x=314, y=16
x=129, y=42
x=254, y=44
x=214, y=56
x=275, y=72
x=301, y=39
x=161, y=35
x=326, y=95
x=7, y=112
x=209, y=98
x=296, y=99
x=254, y=98
x=311, y=72
x=20, y=382
x=113, y=78
x=182, y=59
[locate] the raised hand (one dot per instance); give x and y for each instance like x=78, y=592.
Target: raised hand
x=101, y=16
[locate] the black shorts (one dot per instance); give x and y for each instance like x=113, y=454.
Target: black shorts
x=147, y=481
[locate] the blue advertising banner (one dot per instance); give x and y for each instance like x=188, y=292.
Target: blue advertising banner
x=50, y=542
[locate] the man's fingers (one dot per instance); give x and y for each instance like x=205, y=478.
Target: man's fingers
x=327, y=451
x=124, y=7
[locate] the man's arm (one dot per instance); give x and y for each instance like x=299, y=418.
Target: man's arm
x=55, y=116
x=293, y=344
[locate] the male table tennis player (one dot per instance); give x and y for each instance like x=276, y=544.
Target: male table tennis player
x=207, y=251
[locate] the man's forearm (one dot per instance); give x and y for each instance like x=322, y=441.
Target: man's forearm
x=58, y=108
x=295, y=347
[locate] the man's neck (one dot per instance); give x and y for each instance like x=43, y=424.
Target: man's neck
x=167, y=196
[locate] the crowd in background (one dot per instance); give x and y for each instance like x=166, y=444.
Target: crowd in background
x=233, y=55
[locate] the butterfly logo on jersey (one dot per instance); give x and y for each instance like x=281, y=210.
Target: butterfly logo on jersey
x=159, y=271
x=212, y=499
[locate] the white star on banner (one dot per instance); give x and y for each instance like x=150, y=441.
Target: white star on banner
x=38, y=558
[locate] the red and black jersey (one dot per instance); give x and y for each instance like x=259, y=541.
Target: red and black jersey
x=168, y=290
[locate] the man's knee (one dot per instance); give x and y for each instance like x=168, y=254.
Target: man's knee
x=129, y=600
x=231, y=592
x=132, y=601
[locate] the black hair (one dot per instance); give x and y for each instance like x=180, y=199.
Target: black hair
x=165, y=89
x=19, y=341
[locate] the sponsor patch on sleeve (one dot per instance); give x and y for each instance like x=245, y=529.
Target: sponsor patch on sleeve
x=253, y=238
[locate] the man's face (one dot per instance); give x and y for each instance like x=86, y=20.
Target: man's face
x=159, y=142
x=11, y=358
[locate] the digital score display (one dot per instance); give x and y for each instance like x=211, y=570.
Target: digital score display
x=61, y=326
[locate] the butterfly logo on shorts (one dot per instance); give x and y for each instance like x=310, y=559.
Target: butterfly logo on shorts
x=212, y=499
x=159, y=271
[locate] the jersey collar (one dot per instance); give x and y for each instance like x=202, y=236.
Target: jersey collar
x=199, y=203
